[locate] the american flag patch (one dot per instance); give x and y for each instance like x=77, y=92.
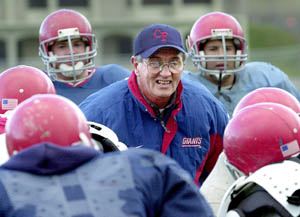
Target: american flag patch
x=290, y=148
x=8, y=104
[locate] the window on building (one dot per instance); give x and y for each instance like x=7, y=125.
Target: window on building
x=116, y=49
x=27, y=51
x=129, y=2
x=74, y=3
x=37, y=3
x=117, y=44
x=196, y=1
x=156, y=2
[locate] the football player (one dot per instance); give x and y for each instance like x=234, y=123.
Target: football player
x=218, y=48
x=55, y=170
x=263, y=130
x=68, y=48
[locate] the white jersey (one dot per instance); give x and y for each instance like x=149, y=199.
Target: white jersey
x=217, y=183
x=3, y=151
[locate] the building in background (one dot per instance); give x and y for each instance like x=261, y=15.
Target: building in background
x=115, y=23
x=272, y=26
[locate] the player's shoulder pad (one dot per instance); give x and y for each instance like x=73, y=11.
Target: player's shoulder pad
x=263, y=68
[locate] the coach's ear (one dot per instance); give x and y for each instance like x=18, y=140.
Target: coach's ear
x=135, y=63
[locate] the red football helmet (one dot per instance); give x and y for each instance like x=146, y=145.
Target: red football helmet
x=46, y=118
x=65, y=25
x=268, y=94
x=21, y=82
x=221, y=26
x=261, y=134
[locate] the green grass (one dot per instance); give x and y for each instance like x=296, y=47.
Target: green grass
x=275, y=45
x=263, y=36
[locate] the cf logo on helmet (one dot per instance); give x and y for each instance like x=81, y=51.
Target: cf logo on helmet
x=158, y=34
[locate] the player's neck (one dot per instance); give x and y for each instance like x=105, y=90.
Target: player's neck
x=227, y=80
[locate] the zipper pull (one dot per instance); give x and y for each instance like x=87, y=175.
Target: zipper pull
x=164, y=126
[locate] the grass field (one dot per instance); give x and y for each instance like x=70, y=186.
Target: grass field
x=275, y=45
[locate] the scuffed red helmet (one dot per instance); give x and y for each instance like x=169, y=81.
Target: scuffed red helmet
x=66, y=24
x=46, y=118
x=268, y=94
x=21, y=82
x=261, y=134
x=221, y=26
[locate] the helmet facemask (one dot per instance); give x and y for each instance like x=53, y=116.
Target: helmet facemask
x=200, y=59
x=70, y=66
x=234, y=171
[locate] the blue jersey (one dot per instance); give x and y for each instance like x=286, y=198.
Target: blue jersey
x=47, y=180
x=103, y=76
x=253, y=76
x=190, y=131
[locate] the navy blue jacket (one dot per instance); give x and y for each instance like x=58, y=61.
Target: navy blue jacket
x=47, y=180
x=193, y=129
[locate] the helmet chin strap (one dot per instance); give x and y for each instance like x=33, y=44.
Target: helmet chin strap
x=220, y=81
x=218, y=94
x=235, y=172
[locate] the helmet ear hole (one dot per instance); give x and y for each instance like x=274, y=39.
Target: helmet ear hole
x=238, y=58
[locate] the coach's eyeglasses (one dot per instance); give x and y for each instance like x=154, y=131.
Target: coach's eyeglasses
x=155, y=65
